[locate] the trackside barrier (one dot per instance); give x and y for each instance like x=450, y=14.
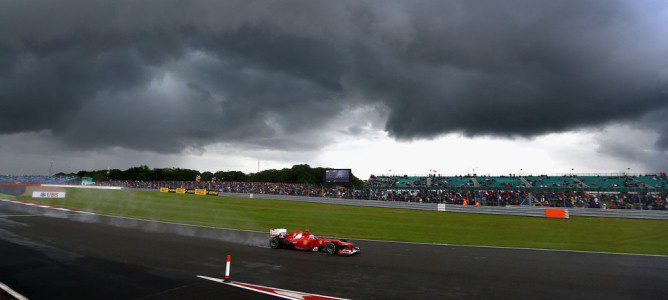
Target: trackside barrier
x=94, y=187
x=556, y=213
x=535, y=211
x=354, y=202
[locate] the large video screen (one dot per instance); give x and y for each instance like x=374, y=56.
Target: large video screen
x=337, y=176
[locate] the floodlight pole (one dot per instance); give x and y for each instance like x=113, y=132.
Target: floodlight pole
x=50, y=166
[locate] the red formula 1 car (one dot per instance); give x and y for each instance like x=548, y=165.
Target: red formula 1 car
x=303, y=240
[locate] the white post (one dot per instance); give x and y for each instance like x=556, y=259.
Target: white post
x=227, y=268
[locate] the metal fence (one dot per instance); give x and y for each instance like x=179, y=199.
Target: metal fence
x=518, y=173
x=354, y=202
x=530, y=211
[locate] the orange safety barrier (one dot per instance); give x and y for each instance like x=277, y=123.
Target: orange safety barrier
x=556, y=213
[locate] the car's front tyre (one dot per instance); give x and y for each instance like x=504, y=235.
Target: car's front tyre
x=330, y=249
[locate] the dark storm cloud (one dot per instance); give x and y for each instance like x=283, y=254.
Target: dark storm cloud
x=165, y=75
x=634, y=146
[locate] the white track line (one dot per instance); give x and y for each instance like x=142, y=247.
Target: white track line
x=12, y=292
x=44, y=215
x=284, y=296
x=46, y=206
x=369, y=240
x=511, y=248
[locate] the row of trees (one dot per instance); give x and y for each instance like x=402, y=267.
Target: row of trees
x=296, y=174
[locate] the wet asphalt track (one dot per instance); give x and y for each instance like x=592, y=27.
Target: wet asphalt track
x=74, y=256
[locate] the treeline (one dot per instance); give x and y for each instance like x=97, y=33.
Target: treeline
x=296, y=174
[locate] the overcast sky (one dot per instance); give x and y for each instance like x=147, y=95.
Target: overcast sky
x=377, y=86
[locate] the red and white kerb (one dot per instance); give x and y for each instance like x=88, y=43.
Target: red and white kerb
x=276, y=292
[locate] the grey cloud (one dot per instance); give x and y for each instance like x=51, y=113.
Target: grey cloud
x=168, y=75
x=657, y=121
x=634, y=146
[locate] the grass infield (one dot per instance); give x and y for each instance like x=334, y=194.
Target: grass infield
x=577, y=233
x=7, y=196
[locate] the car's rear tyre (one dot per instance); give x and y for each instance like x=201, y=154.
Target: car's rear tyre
x=274, y=243
x=330, y=249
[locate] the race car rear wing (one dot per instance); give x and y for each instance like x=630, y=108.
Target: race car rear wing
x=280, y=232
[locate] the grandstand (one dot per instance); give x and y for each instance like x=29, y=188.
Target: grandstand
x=418, y=182
x=613, y=183
x=37, y=179
x=500, y=182
x=602, y=183
x=545, y=181
x=653, y=181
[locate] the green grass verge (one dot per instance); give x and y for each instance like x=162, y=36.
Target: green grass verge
x=578, y=233
x=5, y=196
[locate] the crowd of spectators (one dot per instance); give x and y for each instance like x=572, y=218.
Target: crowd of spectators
x=484, y=197
x=37, y=179
x=272, y=188
x=560, y=191
x=579, y=199
x=433, y=181
x=619, y=182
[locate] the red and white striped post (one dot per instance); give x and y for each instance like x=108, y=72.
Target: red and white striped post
x=227, y=268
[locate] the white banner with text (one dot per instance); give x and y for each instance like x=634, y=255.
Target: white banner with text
x=38, y=194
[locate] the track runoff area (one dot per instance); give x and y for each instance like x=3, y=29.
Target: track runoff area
x=271, y=291
x=72, y=253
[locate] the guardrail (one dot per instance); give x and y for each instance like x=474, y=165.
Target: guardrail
x=353, y=202
x=534, y=211
x=94, y=187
